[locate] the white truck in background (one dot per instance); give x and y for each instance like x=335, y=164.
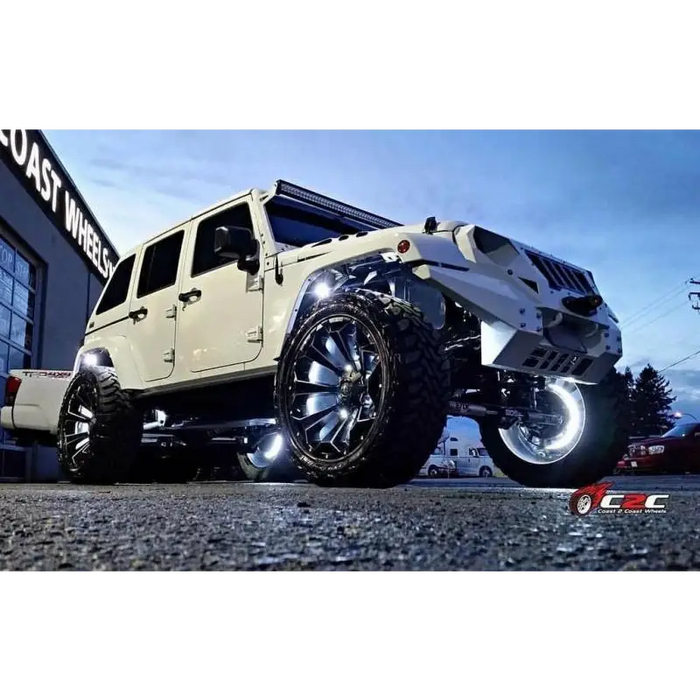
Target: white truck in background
x=297, y=329
x=457, y=456
x=470, y=459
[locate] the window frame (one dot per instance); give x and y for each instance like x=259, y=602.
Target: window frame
x=98, y=310
x=196, y=230
x=144, y=253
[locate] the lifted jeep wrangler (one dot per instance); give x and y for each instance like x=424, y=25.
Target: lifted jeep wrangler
x=298, y=326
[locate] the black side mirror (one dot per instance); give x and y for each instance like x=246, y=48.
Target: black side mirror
x=236, y=243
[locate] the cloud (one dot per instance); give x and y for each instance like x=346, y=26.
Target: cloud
x=685, y=385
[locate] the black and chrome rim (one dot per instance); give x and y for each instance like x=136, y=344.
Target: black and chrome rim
x=336, y=389
x=78, y=426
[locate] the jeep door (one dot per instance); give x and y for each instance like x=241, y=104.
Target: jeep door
x=220, y=307
x=154, y=306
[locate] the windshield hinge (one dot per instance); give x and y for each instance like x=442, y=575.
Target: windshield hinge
x=279, y=277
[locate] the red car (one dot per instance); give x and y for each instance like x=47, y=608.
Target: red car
x=677, y=451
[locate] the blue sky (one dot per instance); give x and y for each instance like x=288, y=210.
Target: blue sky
x=624, y=204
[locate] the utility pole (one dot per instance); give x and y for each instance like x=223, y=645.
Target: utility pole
x=695, y=296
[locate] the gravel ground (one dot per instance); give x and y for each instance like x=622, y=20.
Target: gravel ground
x=465, y=524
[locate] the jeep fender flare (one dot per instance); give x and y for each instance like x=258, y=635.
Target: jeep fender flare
x=116, y=353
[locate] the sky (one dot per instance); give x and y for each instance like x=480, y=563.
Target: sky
x=624, y=204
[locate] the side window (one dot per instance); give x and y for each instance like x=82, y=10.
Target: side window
x=159, y=266
x=454, y=452
x=117, y=288
x=473, y=452
x=204, y=258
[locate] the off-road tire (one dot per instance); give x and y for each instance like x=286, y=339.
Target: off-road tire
x=602, y=444
x=413, y=414
x=115, y=438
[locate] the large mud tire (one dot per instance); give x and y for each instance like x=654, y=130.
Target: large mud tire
x=99, y=429
x=602, y=444
x=411, y=410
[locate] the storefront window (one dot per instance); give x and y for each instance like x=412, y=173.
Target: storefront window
x=17, y=307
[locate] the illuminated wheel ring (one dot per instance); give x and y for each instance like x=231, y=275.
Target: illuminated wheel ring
x=523, y=439
x=267, y=451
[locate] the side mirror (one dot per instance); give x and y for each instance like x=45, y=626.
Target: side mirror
x=236, y=243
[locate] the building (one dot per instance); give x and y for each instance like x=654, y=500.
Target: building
x=54, y=261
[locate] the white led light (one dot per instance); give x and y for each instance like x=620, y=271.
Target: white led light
x=343, y=413
x=90, y=359
x=574, y=418
x=275, y=448
x=322, y=290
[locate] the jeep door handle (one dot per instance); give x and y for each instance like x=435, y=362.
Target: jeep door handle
x=139, y=313
x=189, y=296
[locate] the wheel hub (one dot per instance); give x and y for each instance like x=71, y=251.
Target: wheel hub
x=351, y=390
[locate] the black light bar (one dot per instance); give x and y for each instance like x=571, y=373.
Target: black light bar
x=287, y=189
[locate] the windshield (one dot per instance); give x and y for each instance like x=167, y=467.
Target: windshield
x=682, y=430
x=292, y=225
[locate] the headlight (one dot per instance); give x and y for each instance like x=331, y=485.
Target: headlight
x=656, y=449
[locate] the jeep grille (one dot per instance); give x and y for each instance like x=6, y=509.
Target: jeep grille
x=560, y=275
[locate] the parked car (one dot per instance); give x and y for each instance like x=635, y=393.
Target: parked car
x=676, y=451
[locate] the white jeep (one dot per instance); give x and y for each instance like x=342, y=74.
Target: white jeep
x=296, y=326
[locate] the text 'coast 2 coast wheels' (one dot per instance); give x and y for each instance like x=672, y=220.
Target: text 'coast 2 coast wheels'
x=99, y=431
x=582, y=449
x=362, y=391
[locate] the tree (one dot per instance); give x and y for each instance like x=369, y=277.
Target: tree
x=651, y=399
x=624, y=386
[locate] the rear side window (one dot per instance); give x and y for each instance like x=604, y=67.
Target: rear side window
x=159, y=266
x=117, y=288
x=454, y=452
x=204, y=257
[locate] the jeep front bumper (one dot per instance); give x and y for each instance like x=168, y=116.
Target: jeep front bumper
x=529, y=331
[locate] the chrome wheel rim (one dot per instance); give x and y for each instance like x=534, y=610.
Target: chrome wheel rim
x=337, y=388
x=532, y=443
x=78, y=427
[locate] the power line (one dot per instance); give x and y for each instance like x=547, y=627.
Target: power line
x=637, y=315
x=683, y=359
x=666, y=312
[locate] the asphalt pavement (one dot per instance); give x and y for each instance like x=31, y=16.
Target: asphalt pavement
x=477, y=524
